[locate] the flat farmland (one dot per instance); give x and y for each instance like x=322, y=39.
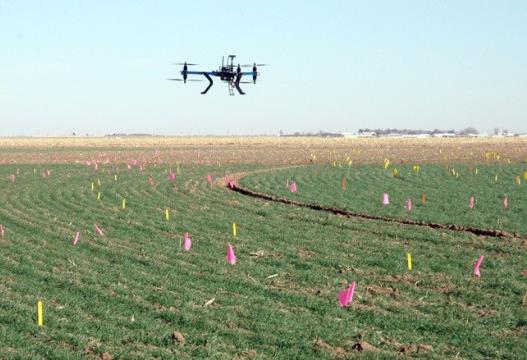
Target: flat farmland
x=128, y=288
x=258, y=150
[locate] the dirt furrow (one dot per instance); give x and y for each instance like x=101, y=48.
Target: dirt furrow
x=314, y=206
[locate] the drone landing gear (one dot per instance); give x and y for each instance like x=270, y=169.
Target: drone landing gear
x=210, y=83
x=237, y=84
x=239, y=89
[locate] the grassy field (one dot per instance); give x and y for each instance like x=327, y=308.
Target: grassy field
x=447, y=190
x=135, y=293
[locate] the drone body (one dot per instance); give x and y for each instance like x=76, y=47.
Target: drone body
x=227, y=73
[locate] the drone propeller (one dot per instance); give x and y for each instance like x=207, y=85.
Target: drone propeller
x=252, y=65
x=189, y=64
x=186, y=80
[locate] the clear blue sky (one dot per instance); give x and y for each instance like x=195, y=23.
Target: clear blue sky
x=100, y=67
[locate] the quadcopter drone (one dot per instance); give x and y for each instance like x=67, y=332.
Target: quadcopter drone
x=227, y=72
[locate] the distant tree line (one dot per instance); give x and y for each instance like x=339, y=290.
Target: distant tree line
x=317, y=134
x=380, y=132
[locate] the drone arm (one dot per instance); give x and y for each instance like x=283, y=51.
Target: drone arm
x=254, y=75
x=196, y=72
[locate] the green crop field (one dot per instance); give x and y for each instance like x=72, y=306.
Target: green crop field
x=135, y=293
x=447, y=189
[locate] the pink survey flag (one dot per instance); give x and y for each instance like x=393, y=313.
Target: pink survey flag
x=231, y=258
x=77, y=237
x=471, y=202
x=292, y=187
x=505, y=202
x=98, y=230
x=477, y=264
x=346, y=296
x=231, y=184
x=187, y=243
x=209, y=178
x=409, y=204
x=171, y=176
x=385, y=199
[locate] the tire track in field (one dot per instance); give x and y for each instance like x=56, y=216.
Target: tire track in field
x=353, y=214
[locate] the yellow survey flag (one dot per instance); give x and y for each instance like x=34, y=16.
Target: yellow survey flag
x=92, y=186
x=98, y=181
x=496, y=178
x=234, y=232
x=409, y=258
x=40, y=313
x=167, y=214
x=518, y=180
x=124, y=203
x=525, y=175
x=115, y=177
x=395, y=172
x=99, y=195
